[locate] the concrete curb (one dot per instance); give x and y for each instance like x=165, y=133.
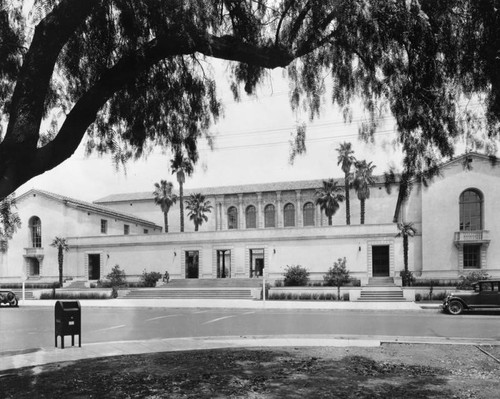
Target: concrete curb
x=239, y=304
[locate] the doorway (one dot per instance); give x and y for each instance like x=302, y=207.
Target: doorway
x=256, y=262
x=192, y=264
x=223, y=263
x=33, y=267
x=380, y=261
x=94, y=266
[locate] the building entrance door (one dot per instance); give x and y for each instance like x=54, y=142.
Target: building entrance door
x=94, y=266
x=192, y=264
x=256, y=262
x=380, y=261
x=223, y=263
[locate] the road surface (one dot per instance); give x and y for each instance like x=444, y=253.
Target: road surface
x=33, y=327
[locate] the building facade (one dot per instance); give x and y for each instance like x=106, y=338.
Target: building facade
x=256, y=230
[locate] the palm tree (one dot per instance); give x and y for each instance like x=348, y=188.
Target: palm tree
x=328, y=198
x=406, y=230
x=181, y=166
x=363, y=179
x=164, y=197
x=198, y=208
x=61, y=245
x=346, y=159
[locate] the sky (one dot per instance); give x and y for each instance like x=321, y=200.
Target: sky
x=251, y=146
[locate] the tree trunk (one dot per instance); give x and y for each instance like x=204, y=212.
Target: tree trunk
x=362, y=211
x=347, y=200
x=60, y=260
x=165, y=221
x=181, y=204
x=338, y=293
x=329, y=220
x=405, y=252
x=196, y=227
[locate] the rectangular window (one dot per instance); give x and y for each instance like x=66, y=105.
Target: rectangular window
x=104, y=226
x=146, y=231
x=472, y=256
x=126, y=229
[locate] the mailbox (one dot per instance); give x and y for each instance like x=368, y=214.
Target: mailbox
x=68, y=321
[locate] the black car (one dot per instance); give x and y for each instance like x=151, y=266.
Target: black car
x=8, y=298
x=485, y=295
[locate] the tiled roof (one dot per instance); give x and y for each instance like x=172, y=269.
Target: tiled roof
x=90, y=207
x=228, y=190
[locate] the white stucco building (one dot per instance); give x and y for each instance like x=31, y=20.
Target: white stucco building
x=255, y=229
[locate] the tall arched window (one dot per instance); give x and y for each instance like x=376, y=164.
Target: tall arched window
x=251, y=217
x=35, y=226
x=309, y=214
x=289, y=215
x=269, y=216
x=232, y=218
x=471, y=209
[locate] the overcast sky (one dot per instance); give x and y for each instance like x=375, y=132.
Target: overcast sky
x=251, y=146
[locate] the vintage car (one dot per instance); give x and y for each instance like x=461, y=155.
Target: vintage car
x=485, y=295
x=8, y=298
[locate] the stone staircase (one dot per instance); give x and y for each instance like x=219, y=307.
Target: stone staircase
x=212, y=283
x=198, y=289
x=381, y=289
x=75, y=284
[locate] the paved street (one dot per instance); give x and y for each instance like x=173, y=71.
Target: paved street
x=33, y=327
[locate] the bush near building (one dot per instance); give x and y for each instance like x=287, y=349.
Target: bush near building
x=295, y=276
x=468, y=280
x=337, y=275
x=150, y=278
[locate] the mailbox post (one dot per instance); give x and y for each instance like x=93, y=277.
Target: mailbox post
x=68, y=321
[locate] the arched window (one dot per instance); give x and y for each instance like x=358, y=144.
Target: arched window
x=232, y=218
x=471, y=207
x=251, y=217
x=269, y=216
x=35, y=226
x=309, y=214
x=289, y=215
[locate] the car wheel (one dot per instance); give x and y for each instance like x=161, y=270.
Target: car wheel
x=455, y=307
x=13, y=302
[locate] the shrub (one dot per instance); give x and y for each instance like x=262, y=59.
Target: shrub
x=467, y=281
x=28, y=286
x=345, y=296
x=150, y=279
x=338, y=275
x=355, y=282
x=296, y=276
x=278, y=283
x=407, y=277
x=418, y=297
x=305, y=295
x=74, y=295
x=116, y=278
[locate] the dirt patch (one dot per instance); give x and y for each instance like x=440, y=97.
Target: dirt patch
x=390, y=371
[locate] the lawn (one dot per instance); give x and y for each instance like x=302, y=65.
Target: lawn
x=389, y=371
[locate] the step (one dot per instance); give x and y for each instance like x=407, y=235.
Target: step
x=190, y=293
x=213, y=283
